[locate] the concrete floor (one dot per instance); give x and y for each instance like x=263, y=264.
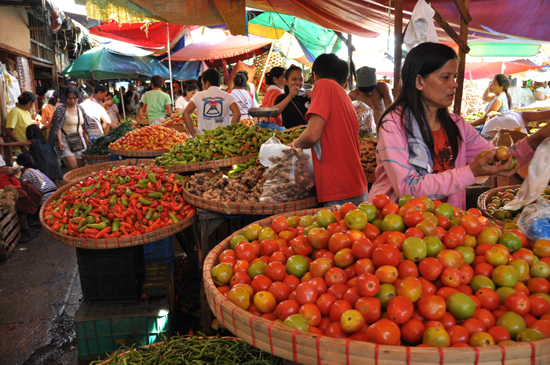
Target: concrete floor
x=39, y=294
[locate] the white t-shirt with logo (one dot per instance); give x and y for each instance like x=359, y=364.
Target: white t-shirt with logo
x=213, y=108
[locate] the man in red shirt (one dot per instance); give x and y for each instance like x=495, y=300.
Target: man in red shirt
x=333, y=135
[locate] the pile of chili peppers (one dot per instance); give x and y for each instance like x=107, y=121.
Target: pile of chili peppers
x=124, y=201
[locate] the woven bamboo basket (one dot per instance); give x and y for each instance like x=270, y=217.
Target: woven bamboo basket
x=82, y=172
x=105, y=243
x=206, y=165
x=94, y=160
x=485, y=198
x=178, y=127
x=249, y=209
x=137, y=154
x=306, y=348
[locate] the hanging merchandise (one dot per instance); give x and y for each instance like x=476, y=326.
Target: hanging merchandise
x=25, y=79
x=11, y=89
x=274, y=60
x=421, y=27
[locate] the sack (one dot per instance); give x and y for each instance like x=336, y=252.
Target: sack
x=290, y=175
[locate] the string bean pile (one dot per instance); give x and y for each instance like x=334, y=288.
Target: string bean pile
x=193, y=350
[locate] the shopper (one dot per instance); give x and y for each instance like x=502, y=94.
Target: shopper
x=112, y=109
x=244, y=99
x=94, y=99
x=275, y=78
x=132, y=99
x=67, y=119
x=213, y=105
x=498, y=97
x=47, y=110
x=19, y=118
x=32, y=174
x=377, y=95
x=183, y=100
x=294, y=103
x=423, y=150
x=156, y=103
x=42, y=152
x=333, y=135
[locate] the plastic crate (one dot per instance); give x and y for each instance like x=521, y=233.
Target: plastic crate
x=112, y=276
x=159, y=251
x=104, y=328
x=159, y=282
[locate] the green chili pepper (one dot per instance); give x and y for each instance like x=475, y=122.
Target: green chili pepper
x=90, y=220
x=144, y=201
x=113, y=199
x=123, y=201
x=128, y=192
x=115, y=226
x=152, y=178
x=149, y=214
x=173, y=217
x=98, y=226
x=156, y=195
x=144, y=181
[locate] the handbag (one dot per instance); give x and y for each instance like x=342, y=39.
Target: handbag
x=74, y=140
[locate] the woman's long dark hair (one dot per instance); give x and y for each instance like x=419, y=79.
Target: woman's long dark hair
x=505, y=83
x=423, y=60
x=33, y=132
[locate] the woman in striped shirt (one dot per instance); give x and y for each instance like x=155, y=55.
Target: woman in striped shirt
x=31, y=174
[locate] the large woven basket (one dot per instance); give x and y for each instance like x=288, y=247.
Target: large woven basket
x=82, y=172
x=205, y=165
x=138, y=154
x=249, y=209
x=94, y=160
x=485, y=198
x=105, y=243
x=306, y=348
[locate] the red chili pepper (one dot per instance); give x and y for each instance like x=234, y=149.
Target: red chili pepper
x=103, y=232
x=124, y=224
x=158, y=185
x=90, y=192
x=113, y=235
x=57, y=214
x=135, y=196
x=123, y=230
x=91, y=231
x=94, y=203
x=129, y=220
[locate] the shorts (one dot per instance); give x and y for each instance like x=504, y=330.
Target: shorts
x=67, y=151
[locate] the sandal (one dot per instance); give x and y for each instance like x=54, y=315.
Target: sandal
x=27, y=236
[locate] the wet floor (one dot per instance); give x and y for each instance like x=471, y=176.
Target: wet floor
x=39, y=294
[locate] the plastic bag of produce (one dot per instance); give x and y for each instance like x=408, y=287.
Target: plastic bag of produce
x=365, y=116
x=502, y=138
x=534, y=221
x=537, y=178
x=290, y=175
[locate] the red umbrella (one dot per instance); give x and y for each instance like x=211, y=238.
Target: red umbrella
x=486, y=70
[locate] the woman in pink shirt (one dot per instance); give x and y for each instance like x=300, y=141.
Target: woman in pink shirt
x=423, y=150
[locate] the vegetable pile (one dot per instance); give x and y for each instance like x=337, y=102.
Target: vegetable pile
x=150, y=138
x=193, y=350
x=419, y=272
x=124, y=201
x=176, y=118
x=248, y=121
x=100, y=146
x=214, y=185
x=501, y=198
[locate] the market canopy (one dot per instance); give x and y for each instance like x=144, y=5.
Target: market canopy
x=486, y=70
x=148, y=35
x=231, y=49
x=101, y=64
x=367, y=18
x=313, y=39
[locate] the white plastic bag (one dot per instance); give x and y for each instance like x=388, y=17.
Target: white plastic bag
x=365, y=116
x=270, y=148
x=534, y=221
x=421, y=27
x=537, y=178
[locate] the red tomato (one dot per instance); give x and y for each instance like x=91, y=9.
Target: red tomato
x=499, y=334
x=335, y=275
x=367, y=285
x=485, y=317
x=384, y=332
x=370, y=308
x=379, y=201
x=334, y=330
x=339, y=308
x=261, y=283
x=400, y=309
x=301, y=246
x=371, y=231
x=471, y=224
x=319, y=285
x=458, y=334
x=269, y=247
x=286, y=309
x=344, y=209
x=352, y=296
x=407, y=268
x=432, y=307
x=276, y=271
x=412, y=218
x=338, y=290
x=325, y=302
x=338, y=241
x=455, y=237
x=412, y=331
x=386, y=255
x=311, y=313
x=430, y=268
x=518, y=303
x=364, y=266
x=443, y=222
x=539, y=306
x=280, y=291
x=414, y=232
x=473, y=325
x=292, y=282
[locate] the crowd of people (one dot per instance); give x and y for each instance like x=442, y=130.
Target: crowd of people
x=423, y=150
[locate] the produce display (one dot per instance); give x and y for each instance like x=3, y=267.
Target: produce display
x=241, y=168
x=474, y=116
x=214, y=185
x=417, y=273
x=368, y=154
x=123, y=201
x=289, y=178
x=221, y=143
x=150, y=138
x=176, y=118
x=248, y=121
x=501, y=198
x=100, y=146
x=192, y=350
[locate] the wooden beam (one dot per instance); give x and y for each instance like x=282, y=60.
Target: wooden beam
x=451, y=32
x=461, y=63
x=15, y=51
x=397, y=51
x=464, y=11
x=17, y=4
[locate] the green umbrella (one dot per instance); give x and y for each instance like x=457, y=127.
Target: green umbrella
x=100, y=64
x=314, y=39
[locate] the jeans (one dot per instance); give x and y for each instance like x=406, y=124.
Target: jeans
x=270, y=125
x=355, y=200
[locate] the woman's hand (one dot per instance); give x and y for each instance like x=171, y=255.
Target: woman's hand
x=308, y=93
x=480, y=166
x=293, y=91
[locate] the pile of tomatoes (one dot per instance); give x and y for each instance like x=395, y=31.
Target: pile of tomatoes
x=248, y=121
x=150, y=138
x=417, y=273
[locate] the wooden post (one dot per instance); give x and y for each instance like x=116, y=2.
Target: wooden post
x=397, y=52
x=351, y=66
x=461, y=61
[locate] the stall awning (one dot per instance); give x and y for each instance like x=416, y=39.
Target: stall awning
x=486, y=70
x=367, y=18
x=151, y=35
x=230, y=49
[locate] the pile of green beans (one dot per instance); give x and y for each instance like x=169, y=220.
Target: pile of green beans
x=195, y=350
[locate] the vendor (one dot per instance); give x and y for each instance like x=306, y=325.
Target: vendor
x=183, y=100
x=333, y=135
x=423, y=150
x=156, y=103
x=275, y=78
x=19, y=118
x=213, y=105
x=294, y=103
x=377, y=95
x=498, y=97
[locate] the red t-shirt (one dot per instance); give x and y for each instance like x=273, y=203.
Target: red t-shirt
x=443, y=152
x=269, y=100
x=339, y=175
